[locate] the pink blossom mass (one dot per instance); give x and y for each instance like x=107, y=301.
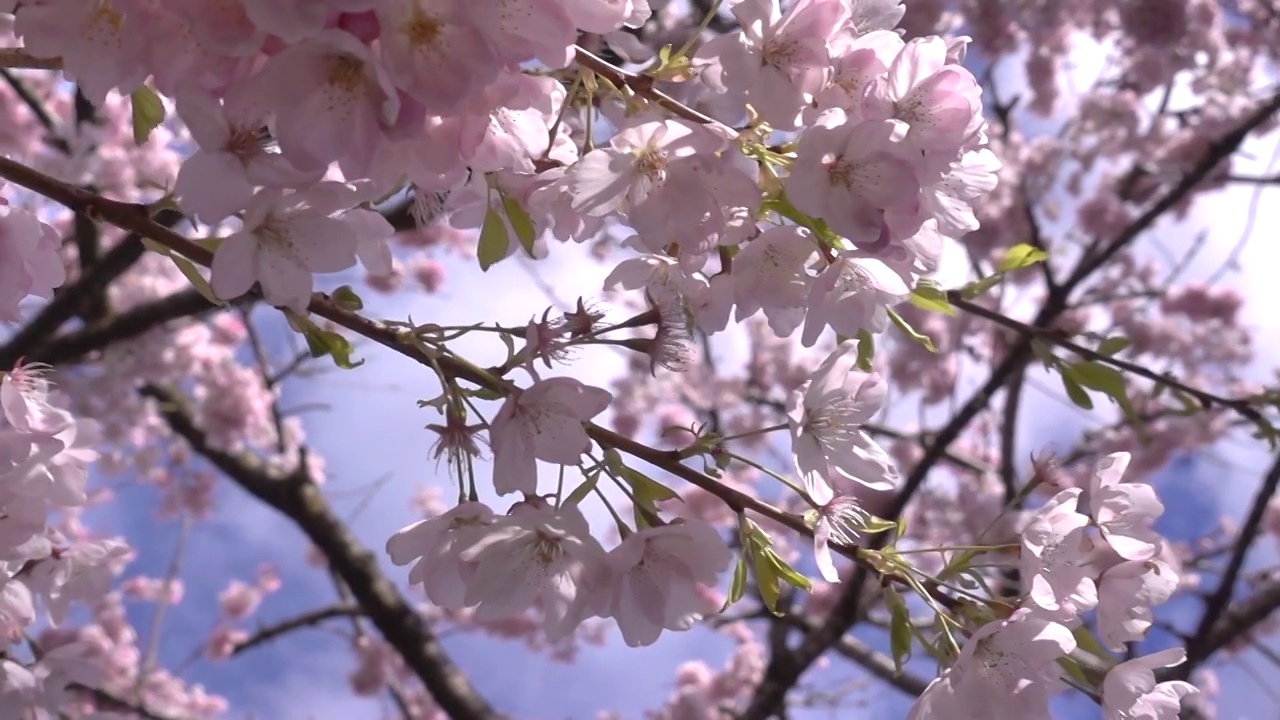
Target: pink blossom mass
x=751, y=359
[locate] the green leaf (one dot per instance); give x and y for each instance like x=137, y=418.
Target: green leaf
x=737, y=586
x=1021, y=256
x=520, y=223
x=978, y=287
x=899, y=628
x=911, y=332
x=148, y=113
x=770, y=570
x=197, y=280
x=1076, y=393
x=1045, y=354
x=931, y=298
x=645, y=488
x=866, y=350
x=580, y=493
x=156, y=247
x=1113, y=345
x=1096, y=376
x=494, y=240
x=322, y=342
x=347, y=299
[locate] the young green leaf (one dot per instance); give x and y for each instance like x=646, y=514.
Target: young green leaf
x=148, y=113
x=931, y=298
x=1096, y=376
x=580, y=493
x=911, y=332
x=494, y=240
x=1076, y=393
x=188, y=269
x=899, y=628
x=1021, y=256
x=737, y=586
x=347, y=299
x=1113, y=345
x=520, y=223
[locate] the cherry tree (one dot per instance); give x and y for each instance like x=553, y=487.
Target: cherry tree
x=849, y=250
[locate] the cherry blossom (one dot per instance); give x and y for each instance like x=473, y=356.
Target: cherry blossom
x=1124, y=511
x=824, y=416
x=1130, y=689
x=542, y=422
x=435, y=547
x=1006, y=671
x=536, y=552
x=657, y=572
x=29, y=262
x=284, y=238
x=1055, y=554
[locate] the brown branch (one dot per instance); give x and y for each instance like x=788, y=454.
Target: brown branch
x=1242, y=406
x=878, y=664
x=74, y=346
x=267, y=633
x=298, y=498
x=1198, y=647
x=19, y=59
x=642, y=85
x=111, y=703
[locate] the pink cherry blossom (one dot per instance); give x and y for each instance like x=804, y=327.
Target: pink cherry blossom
x=855, y=176
x=536, y=553
x=1127, y=593
x=219, y=179
x=542, y=422
x=101, y=43
x=825, y=414
x=432, y=51
x=852, y=294
x=1054, y=557
x=1130, y=690
x=1124, y=511
x=841, y=519
x=940, y=102
x=331, y=99
x=656, y=575
x=779, y=61
x=284, y=239
x=634, y=164
x=435, y=546
x=29, y=260
x=1006, y=671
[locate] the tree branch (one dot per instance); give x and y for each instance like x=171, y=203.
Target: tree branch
x=1198, y=647
x=300, y=500
x=267, y=633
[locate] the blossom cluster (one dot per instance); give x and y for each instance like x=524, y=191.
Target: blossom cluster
x=44, y=457
x=29, y=260
x=835, y=163
x=1084, y=551
x=657, y=578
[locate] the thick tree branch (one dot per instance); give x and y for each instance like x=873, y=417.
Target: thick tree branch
x=301, y=500
x=876, y=663
x=74, y=346
x=1199, y=647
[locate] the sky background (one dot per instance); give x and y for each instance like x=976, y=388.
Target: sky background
x=371, y=431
